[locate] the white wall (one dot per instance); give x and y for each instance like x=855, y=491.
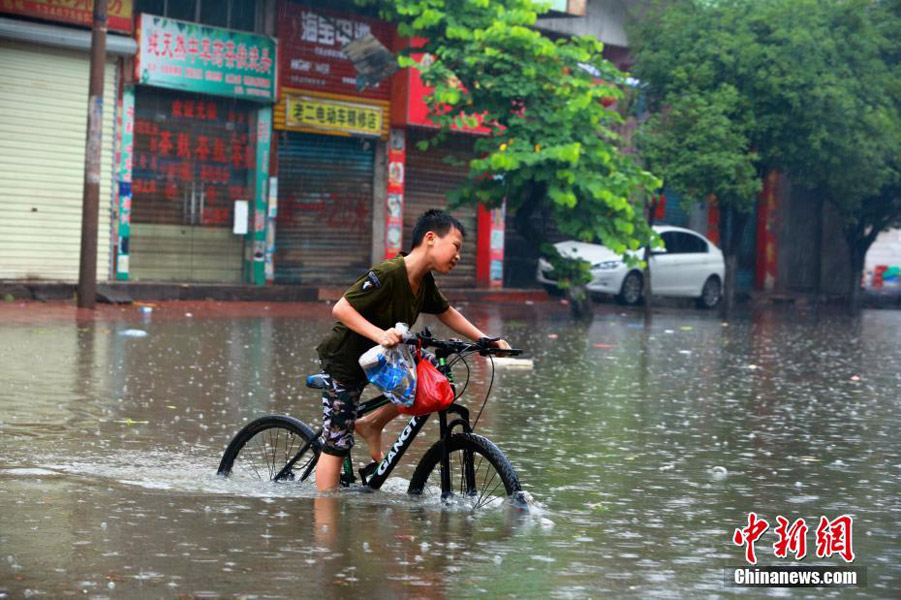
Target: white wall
x=604, y=19
x=886, y=250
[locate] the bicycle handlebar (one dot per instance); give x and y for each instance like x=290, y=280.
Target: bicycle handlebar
x=483, y=346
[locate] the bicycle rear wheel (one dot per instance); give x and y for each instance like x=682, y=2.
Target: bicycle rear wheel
x=480, y=474
x=264, y=446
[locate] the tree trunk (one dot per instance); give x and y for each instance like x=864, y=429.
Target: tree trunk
x=859, y=244
x=646, y=287
x=859, y=238
x=857, y=264
x=818, y=286
x=579, y=302
x=577, y=295
x=732, y=226
x=726, y=241
x=522, y=220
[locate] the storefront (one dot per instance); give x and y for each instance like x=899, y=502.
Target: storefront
x=330, y=138
x=43, y=119
x=195, y=167
x=429, y=175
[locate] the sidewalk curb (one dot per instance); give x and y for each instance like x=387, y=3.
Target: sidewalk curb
x=128, y=292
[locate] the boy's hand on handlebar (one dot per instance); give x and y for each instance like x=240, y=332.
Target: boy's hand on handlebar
x=498, y=343
x=391, y=337
x=501, y=345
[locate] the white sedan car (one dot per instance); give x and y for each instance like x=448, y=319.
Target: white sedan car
x=689, y=266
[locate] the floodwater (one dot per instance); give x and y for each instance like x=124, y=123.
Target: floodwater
x=642, y=447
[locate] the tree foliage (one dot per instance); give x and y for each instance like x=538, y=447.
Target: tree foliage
x=806, y=87
x=701, y=147
x=552, y=142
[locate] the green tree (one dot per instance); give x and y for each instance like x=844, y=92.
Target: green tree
x=552, y=143
x=698, y=142
x=806, y=87
x=863, y=181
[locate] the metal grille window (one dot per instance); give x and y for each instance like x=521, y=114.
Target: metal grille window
x=232, y=14
x=192, y=159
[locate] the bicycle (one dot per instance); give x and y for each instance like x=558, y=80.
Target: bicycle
x=464, y=464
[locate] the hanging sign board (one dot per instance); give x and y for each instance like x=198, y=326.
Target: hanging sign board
x=312, y=112
x=241, y=216
x=77, y=12
x=312, y=41
x=209, y=60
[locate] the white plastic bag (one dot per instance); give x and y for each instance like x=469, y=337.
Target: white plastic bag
x=392, y=370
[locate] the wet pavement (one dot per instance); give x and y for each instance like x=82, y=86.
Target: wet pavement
x=642, y=446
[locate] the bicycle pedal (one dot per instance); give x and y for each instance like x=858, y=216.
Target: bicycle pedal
x=367, y=471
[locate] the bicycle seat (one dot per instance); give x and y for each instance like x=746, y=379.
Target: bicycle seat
x=319, y=381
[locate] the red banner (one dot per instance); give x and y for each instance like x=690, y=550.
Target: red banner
x=767, y=268
x=79, y=12
x=408, y=105
x=394, y=208
x=310, y=42
x=490, y=254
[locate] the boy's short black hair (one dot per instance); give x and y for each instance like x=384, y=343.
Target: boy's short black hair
x=435, y=220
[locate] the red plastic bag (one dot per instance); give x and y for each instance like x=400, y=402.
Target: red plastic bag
x=433, y=390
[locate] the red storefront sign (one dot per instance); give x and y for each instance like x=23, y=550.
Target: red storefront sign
x=78, y=12
x=408, y=105
x=310, y=42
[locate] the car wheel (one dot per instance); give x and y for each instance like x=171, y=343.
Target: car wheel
x=631, y=290
x=554, y=291
x=710, y=293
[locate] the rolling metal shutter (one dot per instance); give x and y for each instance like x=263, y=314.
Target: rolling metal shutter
x=428, y=180
x=325, y=195
x=43, y=120
x=675, y=212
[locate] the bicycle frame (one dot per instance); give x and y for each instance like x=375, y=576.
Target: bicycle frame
x=409, y=433
x=402, y=443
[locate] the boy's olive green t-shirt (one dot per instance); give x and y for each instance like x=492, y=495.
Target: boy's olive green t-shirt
x=384, y=297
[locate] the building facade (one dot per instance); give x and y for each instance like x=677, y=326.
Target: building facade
x=237, y=146
x=44, y=50
x=194, y=169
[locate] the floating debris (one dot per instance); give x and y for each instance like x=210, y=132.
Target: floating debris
x=135, y=333
x=718, y=472
x=513, y=363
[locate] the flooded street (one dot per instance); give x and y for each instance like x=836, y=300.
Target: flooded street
x=642, y=448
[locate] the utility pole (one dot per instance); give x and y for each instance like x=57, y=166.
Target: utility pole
x=87, y=269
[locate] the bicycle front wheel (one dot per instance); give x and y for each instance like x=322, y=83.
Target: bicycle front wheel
x=480, y=474
x=264, y=446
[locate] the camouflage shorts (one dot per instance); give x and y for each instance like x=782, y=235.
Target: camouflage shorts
x=339, y=413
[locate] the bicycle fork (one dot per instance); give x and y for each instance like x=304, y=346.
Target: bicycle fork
x=469, y=478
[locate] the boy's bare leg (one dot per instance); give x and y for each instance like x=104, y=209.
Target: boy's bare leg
x=325, y=514
x=370, y=428
x=328, y=471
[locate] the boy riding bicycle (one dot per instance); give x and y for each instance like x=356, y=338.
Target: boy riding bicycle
x=397, y=290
